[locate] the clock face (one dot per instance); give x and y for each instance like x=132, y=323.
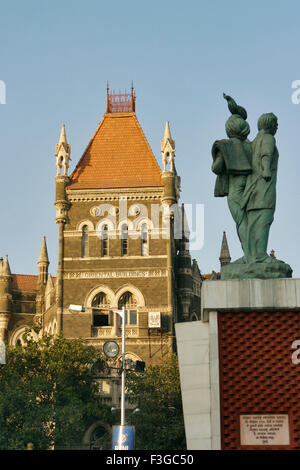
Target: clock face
x=111, y=349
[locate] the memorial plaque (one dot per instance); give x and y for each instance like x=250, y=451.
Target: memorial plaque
x=264, y=430
x=154, y=320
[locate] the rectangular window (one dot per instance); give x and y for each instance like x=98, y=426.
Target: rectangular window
x=145, y=251
x=132, y=317
x=104, y=251
x=104, y=241
x=124, y=242
x=124, y=247
x=101, y=319
x=84, y=242
x=105, y=387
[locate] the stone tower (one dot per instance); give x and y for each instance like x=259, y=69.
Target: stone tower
x=123, y=241
x=116, y=239
x=43, y=264
x=5, y=297
x=63, y=151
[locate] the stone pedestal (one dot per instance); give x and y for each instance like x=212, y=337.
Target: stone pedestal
x=197, y=346
x=271, y=269
x=239, y=369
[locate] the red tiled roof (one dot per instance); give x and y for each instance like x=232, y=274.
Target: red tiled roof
x=24, y=282
x=118, y=156
x=208, y=276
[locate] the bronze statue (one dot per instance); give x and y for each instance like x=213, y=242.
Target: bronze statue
x=246, y=174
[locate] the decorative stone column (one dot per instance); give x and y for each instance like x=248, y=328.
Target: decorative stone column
x=4, y=321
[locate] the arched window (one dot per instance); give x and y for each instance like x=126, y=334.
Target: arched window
x=84, y=241
x=100, y=437
x=144, y=240
x=124, y=240
x=104, y=241
x=102, y=316
x=128, y=301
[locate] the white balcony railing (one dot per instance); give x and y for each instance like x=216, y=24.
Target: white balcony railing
x=110, y=332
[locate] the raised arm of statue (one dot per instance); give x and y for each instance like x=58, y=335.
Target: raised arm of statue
x=234, y=108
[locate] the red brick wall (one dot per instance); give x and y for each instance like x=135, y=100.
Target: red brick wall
x=257, y=375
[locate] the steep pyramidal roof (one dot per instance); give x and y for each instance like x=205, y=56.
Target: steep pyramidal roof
x=118, y=156
x=224, y=255
x=44, y=253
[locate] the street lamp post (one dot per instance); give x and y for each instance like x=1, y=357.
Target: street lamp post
x=123, y=436
x=122, y=314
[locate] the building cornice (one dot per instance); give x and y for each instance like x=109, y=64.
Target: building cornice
x=114, y=194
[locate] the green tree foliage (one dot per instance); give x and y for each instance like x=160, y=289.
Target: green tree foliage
x=159, y=423
x=47, y=394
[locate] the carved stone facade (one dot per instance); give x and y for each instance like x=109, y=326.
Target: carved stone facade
x=108, y=258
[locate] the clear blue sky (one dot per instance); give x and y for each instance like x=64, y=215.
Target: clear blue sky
x=56, y=57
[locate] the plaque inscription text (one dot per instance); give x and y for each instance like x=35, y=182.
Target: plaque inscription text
x=264, y=430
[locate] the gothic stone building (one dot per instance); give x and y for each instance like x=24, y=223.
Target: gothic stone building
x=112, y=253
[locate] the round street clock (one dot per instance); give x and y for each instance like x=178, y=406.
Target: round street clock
x=111, y=349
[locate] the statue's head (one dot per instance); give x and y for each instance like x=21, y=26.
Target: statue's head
x=237, y=127
x=268, y=122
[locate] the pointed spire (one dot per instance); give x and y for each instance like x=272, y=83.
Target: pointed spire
x=44, y=253
x=6, y=268
x=167, y=148
x=185, y=231
x=43, y=264
x=50, y=284
x=225, y=257
x=1, y=265
x=167, y=131
x=195, y=269
x=62, y=152
x=63, y=137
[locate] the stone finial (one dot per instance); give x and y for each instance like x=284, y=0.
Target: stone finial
x=195, y=269
x=43, y=259
x=5, y=267
x=63, y=152
x=167, y=148
x=225, y=257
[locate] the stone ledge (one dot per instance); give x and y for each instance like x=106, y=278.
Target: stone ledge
x=250, y=294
